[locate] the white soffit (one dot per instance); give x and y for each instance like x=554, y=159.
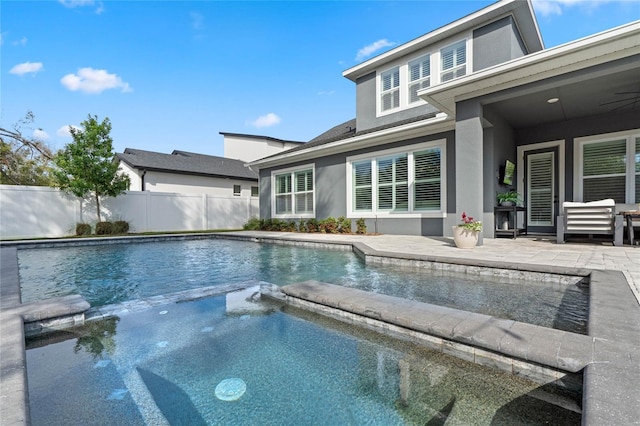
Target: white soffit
x=607, y=46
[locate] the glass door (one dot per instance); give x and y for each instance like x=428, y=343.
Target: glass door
x=541, y=192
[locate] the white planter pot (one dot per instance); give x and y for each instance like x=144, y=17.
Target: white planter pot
x=464, y=238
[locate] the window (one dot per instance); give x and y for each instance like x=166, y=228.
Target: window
x=293, y=193
x=255, y=191
x=393, y=183
x=454, y=61
x=408, y=181
x=236, y=190
x=609, y=167
x=419, y=77
x=390, y=89
x=427, y=181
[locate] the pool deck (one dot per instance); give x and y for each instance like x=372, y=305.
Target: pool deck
x=611, y=352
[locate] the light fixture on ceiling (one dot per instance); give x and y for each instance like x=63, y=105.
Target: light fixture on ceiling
x=552, y=100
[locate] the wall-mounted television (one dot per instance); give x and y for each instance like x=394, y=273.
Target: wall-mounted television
x=507, y=173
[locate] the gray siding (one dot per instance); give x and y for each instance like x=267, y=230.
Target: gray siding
x=496, y=43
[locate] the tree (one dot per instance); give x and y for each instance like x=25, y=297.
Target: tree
x=23, y=160
x=86, y=166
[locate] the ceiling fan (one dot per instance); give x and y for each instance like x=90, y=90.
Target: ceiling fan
x=631, y=102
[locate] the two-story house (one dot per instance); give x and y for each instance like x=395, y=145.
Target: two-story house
x=438, y=117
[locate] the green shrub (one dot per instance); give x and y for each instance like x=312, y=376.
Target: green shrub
x=329, y=225
x=120, y=227
x=302, y=226
x=312, y=225
x=253, y=224
x=83, y=229
x=344, y=224
x=361, y=226
x=291, y=226
x=104, y=228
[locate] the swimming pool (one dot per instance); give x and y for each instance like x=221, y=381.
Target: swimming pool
x=112, y=273
x=162, y=366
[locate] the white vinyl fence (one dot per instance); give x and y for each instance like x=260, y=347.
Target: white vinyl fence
x=33, y=211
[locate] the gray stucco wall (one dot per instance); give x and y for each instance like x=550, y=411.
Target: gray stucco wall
x=331, y=190
x=496, y=43
x=366, y=106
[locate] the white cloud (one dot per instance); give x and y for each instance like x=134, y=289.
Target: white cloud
x=64, y=130
x=40, y=135
x=71, y=4
x=21, y=42
x=372, y=48
x=26, y=68
x=197, y=20
x=557, y=7
x=89, y=80
x=268, y=120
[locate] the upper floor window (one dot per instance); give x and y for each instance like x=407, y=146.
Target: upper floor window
x=236, y=190
x=454, y=61
x=419, y=77
x=255, y=191
x=293, y=193
x=390, y=89
x=610, y=168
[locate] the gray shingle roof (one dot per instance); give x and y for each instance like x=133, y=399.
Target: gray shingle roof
x=348, y=130
x=184, y=162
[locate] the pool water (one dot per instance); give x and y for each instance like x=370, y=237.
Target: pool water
x=114, y=273
x=162, y=366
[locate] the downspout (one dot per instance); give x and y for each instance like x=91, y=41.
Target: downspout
x=144, y=172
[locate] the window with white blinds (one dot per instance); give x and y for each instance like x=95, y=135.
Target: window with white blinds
x=610, y=167
x=540, y=194
x=419, y=77
x=293, y=192
x=362, y=186
x=454, y=61
x=390, y=89
x=604, y=167
x=393, y=183
x=427, y=179
x=405, y=182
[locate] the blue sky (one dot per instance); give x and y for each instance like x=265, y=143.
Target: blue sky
x=173, y=74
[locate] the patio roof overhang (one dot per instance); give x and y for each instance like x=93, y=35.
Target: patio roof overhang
x=590, y=76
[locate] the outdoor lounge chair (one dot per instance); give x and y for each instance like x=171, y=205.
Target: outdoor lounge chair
x=592, y=218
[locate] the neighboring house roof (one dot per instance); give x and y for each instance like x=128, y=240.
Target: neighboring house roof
x=522, y=12
x=183, y=162
x=268, y=138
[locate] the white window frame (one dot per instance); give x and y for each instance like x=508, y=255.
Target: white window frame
x=630, y=174
x=434, y=53
x=420, y=80
x=257, y=191
x=292, y=171
x=383, y=92
x=411, y=212
x=456, y=67
x=237, y=194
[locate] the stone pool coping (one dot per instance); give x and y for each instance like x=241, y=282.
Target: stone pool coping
x=611, y=378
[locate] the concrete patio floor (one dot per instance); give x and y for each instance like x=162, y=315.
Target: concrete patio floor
x=612, y=378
